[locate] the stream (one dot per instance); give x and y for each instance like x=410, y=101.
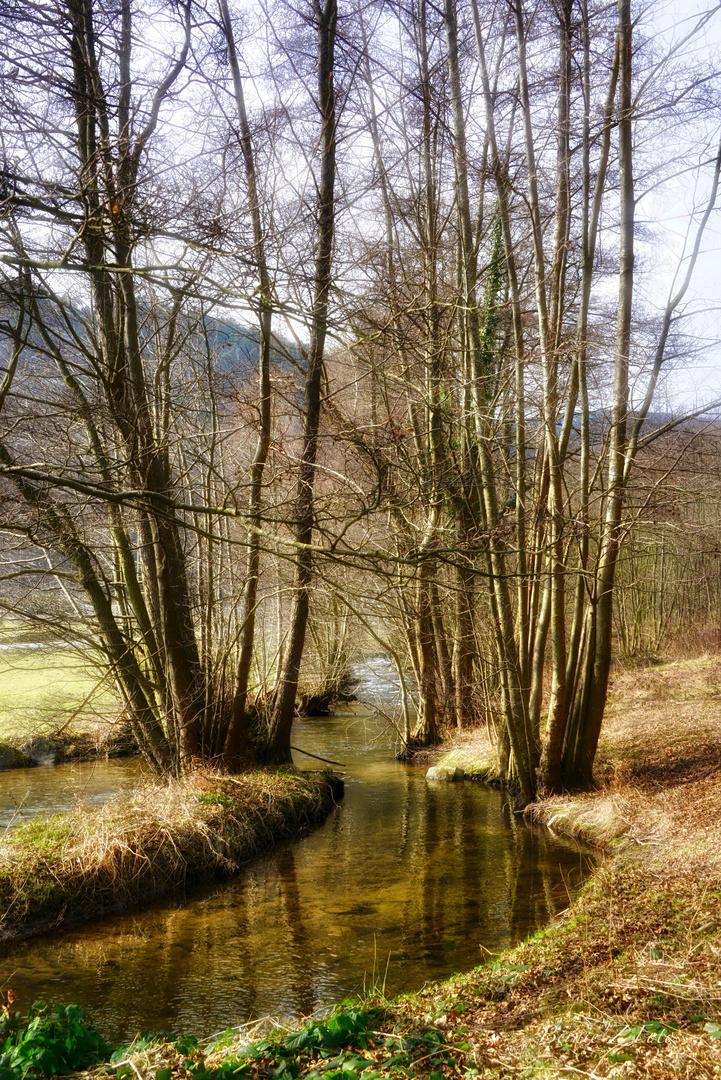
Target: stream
x=405, y=882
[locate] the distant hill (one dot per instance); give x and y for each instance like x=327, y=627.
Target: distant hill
x=233, y=346
x=236, y=349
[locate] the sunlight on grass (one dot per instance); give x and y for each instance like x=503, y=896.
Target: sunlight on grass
x=41, y=688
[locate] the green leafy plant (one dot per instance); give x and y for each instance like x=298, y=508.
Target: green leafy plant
x=337, y=1032
x=650, y=1031
x=143, y=1041
x=53, y=1039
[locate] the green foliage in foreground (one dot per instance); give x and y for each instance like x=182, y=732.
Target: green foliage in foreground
x=53, y=1039
x=346, y=1045
x=319, y=1049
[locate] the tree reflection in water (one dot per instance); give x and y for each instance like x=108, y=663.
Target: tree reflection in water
x=422, y=877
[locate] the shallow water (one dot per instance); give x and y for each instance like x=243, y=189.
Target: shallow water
x=56, y=789
x=405, y=882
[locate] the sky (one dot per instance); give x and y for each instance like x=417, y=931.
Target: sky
x=697, y=378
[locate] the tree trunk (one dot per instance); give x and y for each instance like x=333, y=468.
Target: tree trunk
x=578, y=763
x=278, y=742
x=236, y=743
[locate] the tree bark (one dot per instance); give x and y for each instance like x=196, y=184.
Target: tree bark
x=236, y=742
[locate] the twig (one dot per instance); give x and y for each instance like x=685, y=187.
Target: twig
x=328, y=761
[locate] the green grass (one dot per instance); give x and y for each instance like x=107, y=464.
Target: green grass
x=43, y=835
x=41, y=689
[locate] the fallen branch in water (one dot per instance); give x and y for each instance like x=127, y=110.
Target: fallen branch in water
x=328, y=761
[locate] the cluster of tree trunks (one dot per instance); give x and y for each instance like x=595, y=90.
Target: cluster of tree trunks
x=427, y=187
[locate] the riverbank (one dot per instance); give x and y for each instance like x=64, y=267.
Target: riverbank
x=86, y=742
x=626, y=983
x=628, y=980
x=150, y=841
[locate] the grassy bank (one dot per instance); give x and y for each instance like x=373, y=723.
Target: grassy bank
x=86, y=864
x=626, y=983
x=43, y=685
x=55, y=706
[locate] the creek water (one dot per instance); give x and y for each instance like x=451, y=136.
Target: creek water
x=29, y=793
x=406, y=881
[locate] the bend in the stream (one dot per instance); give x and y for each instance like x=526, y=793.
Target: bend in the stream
x=405, y=882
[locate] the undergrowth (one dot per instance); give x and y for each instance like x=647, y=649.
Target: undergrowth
x=52, y=1039
x=351, y=1042
x=346, y=1044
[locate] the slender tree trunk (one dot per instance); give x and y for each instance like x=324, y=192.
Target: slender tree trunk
x=442, y=653
x=145, y=451
x=578, y=765
x=278, y=746
x=524, y=751
x=579, y=382
x=235, y=739
x=549, y=772
x=463, y=649
x=425, y=733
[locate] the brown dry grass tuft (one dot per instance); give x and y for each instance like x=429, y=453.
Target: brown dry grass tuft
x=154, y=840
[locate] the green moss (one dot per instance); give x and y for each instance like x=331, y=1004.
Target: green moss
x=476, y=765
x=12, y=758
x=215, y=798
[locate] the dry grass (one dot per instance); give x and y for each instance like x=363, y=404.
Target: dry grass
x=161, y=836
x=83, y=741
x=598, y=820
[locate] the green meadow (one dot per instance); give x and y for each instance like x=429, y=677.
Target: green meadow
x=45, y=687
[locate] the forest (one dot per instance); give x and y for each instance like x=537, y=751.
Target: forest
x=359, y=407
x=332, y=331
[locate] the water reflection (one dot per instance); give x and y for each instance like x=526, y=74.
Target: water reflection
x=419, y=878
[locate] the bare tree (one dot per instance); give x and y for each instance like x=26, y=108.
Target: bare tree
x=542, y=467
x=325, y=16
x=460, y=464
